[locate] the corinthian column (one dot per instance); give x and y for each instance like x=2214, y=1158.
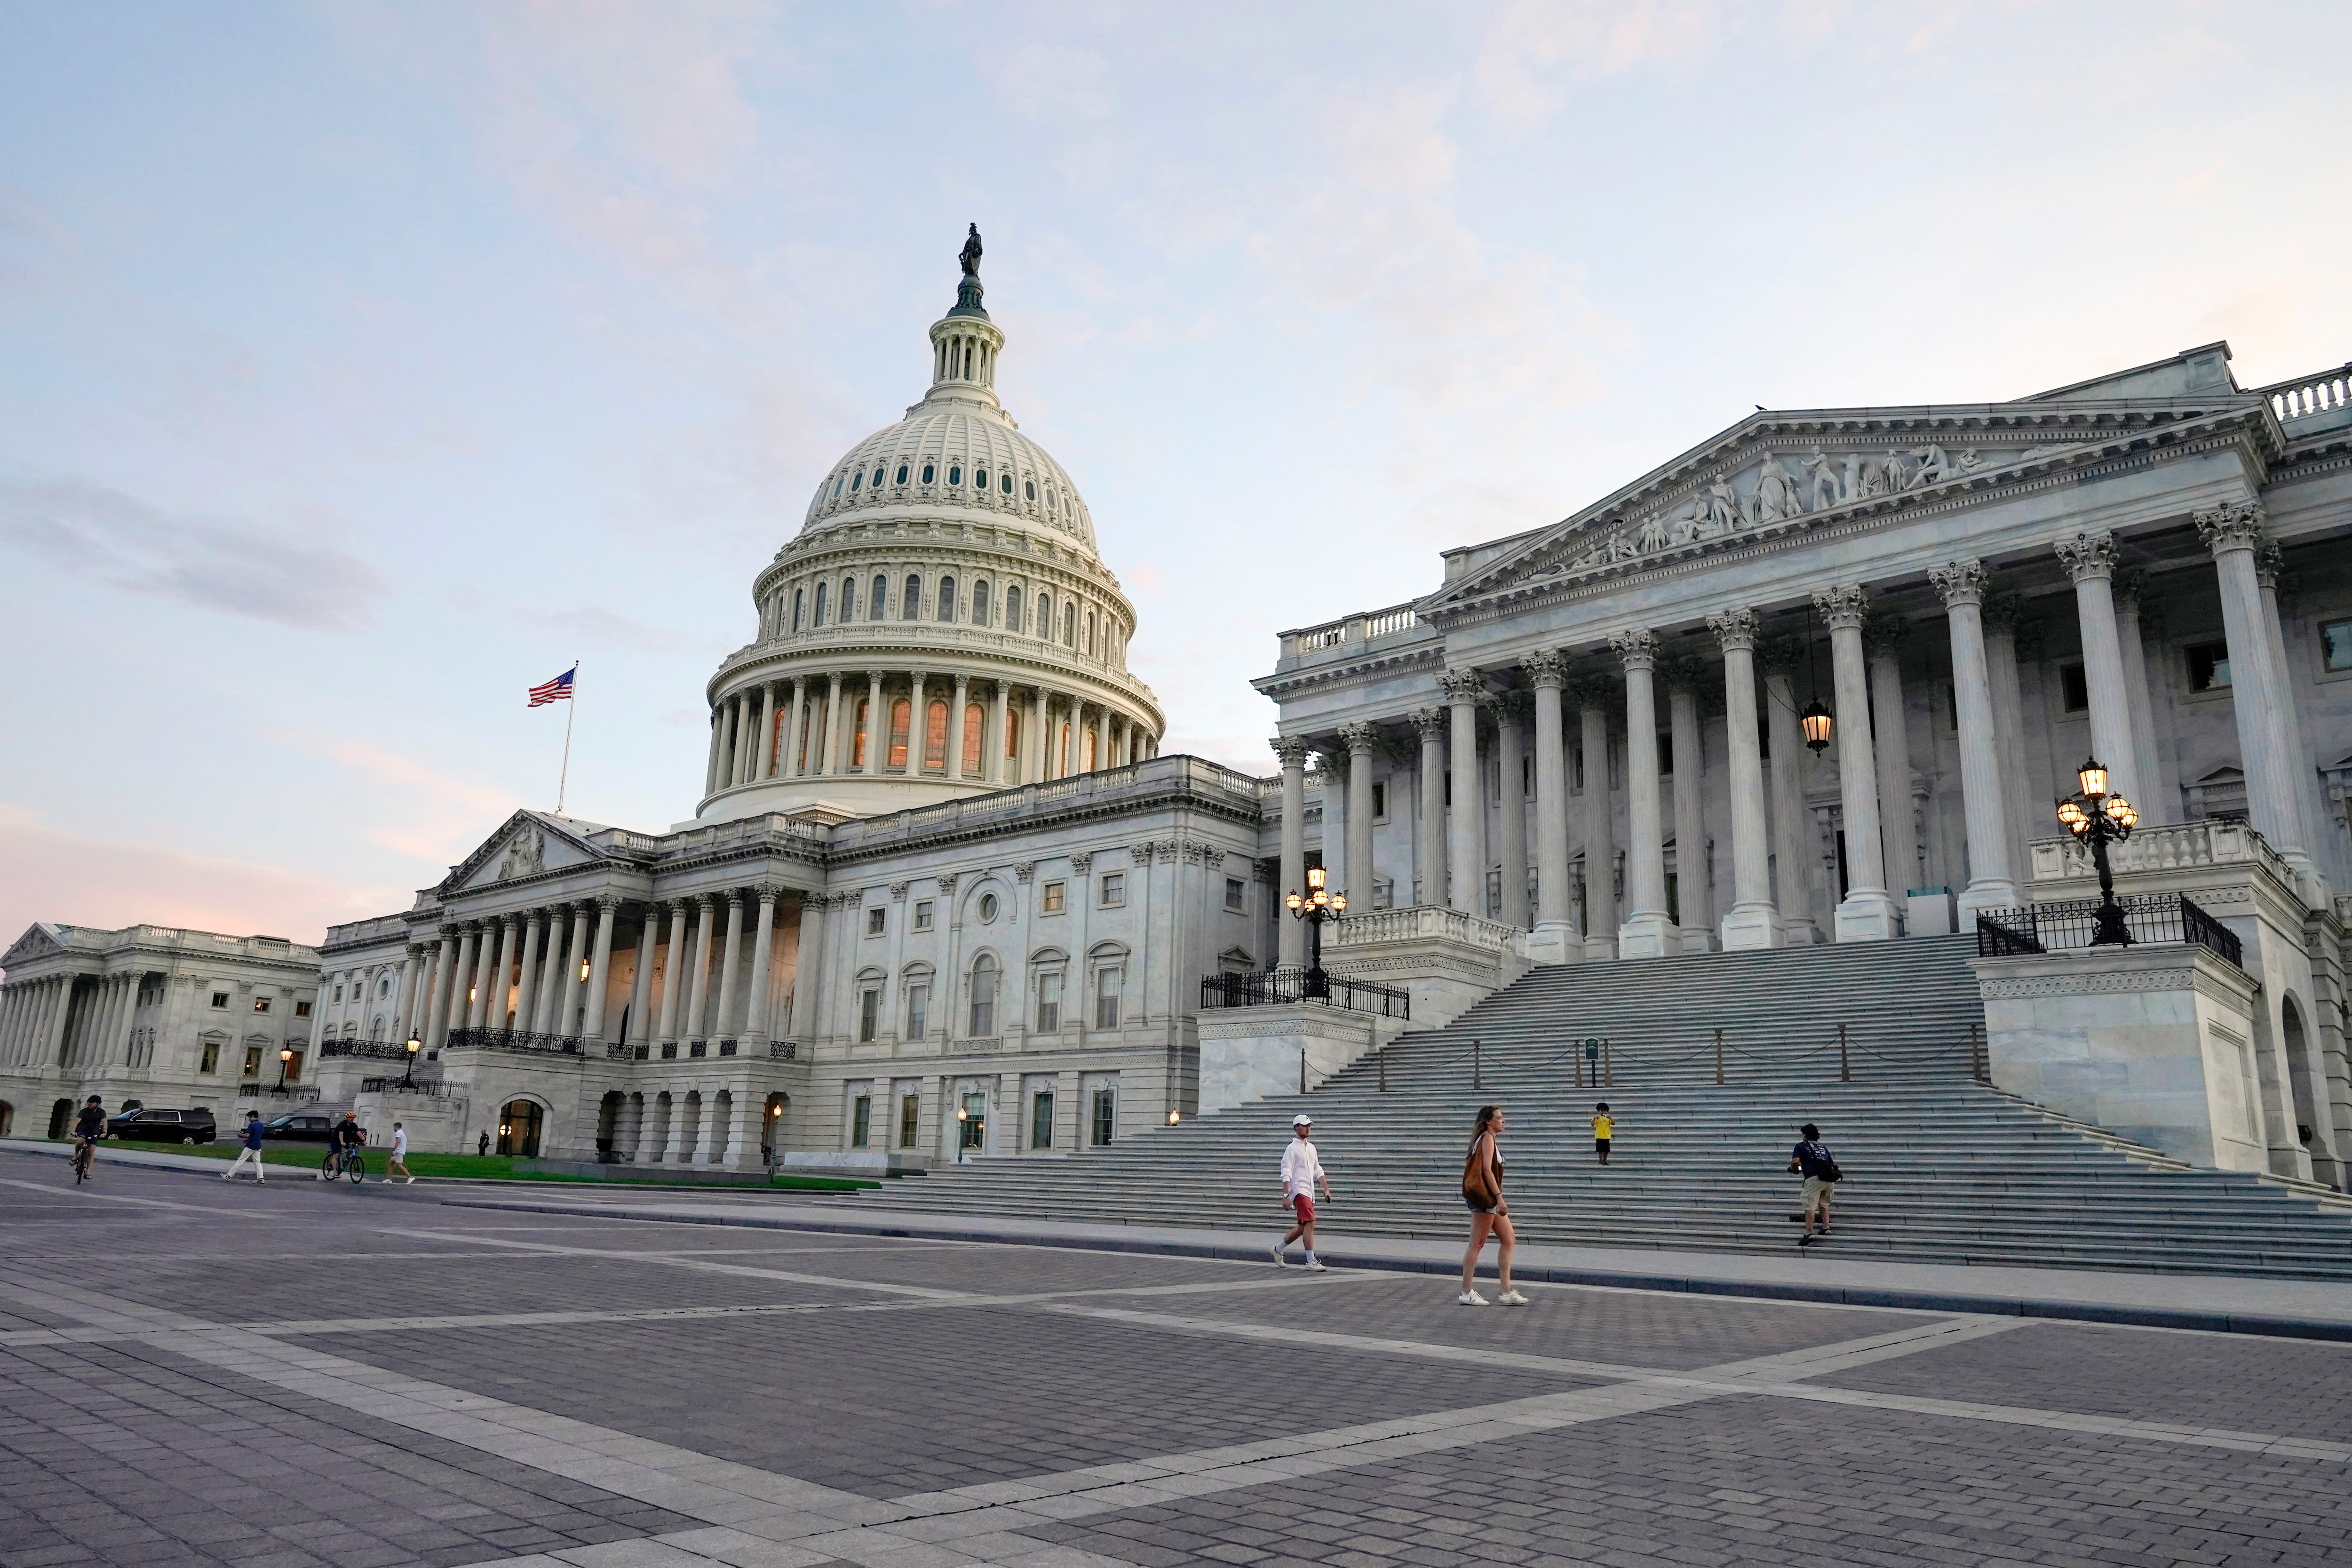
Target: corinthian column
x=1465, y=853
x=2163, y=792
x=763, y=963
x=2090, y=560
x=1647, y=932
x=1694, y=900
x=1429, y=834
x=1791, y=848
x=878, y=726
x=1898, y=833
x=789, y=766
x=527, y=1008
x=1510, y=747
x=1361, y=739
x=673, y=973
x=918, y=724
x=763, y=764
x=1290, y=942
x=2258, y=694
x=1752, y=921
x=2302, y=771
x=599, y=966
x=724, y=1024
x=1991, y=885
x=1592, y=697
x=1866, y=913
x=1555, y=939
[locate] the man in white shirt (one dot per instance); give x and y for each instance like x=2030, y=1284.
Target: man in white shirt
x=399, y=1165
x=1302, y=1173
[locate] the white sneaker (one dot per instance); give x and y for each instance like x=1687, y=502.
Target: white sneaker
x=1510, y=1298
x=1469, y=1298
x=1275, y=1253
x=1315, y=1267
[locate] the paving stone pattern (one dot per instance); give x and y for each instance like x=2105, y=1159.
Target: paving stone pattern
x=902, y=1370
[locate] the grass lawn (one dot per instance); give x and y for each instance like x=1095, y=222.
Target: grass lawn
x=474, y=1167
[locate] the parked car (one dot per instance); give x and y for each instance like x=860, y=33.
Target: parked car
x=146, y=1125
x=302, y=1127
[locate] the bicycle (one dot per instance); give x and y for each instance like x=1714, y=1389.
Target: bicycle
x=352, y=1165
x=85, y=1155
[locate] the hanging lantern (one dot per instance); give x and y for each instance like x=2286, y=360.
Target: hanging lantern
x=1815, y=721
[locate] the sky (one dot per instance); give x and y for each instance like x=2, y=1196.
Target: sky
x=363, y=364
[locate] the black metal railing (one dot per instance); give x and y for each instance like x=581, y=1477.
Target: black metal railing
x=397, y=1086
x=2148, y=917
x=515, y=1040
x=1283, y=987
x=373, y=1050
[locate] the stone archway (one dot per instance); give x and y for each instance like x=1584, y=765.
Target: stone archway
x=7, y=1119
x=772, y=1127
x=2310, y=1104
x=520, y=1122
x=61, y=1118
x=608, y=1126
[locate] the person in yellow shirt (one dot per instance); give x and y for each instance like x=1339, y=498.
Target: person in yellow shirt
x=1604, y=1127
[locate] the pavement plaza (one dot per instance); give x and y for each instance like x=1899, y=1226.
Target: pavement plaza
x=295, y=1374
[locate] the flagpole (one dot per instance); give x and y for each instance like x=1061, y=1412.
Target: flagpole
x=563, y=780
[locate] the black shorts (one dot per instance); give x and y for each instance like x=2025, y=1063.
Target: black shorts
x=1600, y=1145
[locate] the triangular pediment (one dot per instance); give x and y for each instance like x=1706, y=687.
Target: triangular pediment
x=40, y=940
x=530, y=843
x=1775, y=474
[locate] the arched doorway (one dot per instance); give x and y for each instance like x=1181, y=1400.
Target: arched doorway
x=772, y=1127
x=608, y=1126
x=61, y=1118
x=519, y=1127
x=7, y=1118
x=2307, y=1105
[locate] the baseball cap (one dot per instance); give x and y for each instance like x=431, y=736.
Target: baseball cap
x=1302, y=1122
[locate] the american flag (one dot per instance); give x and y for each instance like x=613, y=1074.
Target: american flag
x=556, y=690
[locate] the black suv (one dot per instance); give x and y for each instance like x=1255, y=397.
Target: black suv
x=146, y=1126
x=302, y=1127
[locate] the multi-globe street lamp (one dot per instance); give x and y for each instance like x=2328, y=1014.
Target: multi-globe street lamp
x=1315, y=906
x=2099, y=817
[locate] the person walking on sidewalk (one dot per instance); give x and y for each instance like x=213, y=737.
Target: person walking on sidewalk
x=1812, y=1158
x=251, y=1139
x=1604, y=1127
x=398, y=1164
x=1482, y=1195
x=1302, y=1173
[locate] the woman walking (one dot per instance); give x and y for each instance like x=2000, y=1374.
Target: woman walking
x=1482, y=1194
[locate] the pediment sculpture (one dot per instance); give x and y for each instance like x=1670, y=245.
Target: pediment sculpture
x=526, y=854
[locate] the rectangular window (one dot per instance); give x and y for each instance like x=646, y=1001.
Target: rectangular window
x=919, y=1011
x=910, y=1117
x=220, y=998
x=338, y=998
x=261, y=1004
x=1380, y=800
x=874, y=920
x=2336, y=646
x=294, y=1067
x=1114, y=890
x=922, y=914
x=2074, y=689
x=1105, y=1117
x=1233, y=892
x=301, y=1009
x=253, y=1061
x=2208, y=666
x=1041, y=1121
x=869, y=1012
x=1106, y=985
x=1056, y=894
x=974, y=1120
x=211, y=1064
x=1049, y=1003
x=861, y=1112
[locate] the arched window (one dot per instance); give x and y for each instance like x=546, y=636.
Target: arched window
x=1005, y=483
x=947, y=598
x=898, y=712
x=902, y=474
x=849, y=598
x=819, y=602
x=1012, y=609
x=881, y=605
x=857, y=737
x=1028, y=489
x=980, y=602
x=1069, y=623
x=984, y=997
x=935, y=738
x=878, y=477
x=980, y=478
x=856, y=479
x=1045, y=616
x=837, y=489
x=799, y=604
x=1090, y=632
x=1087, y=764
x=955, y=473
x=1012, y=730
x=927, y=473
x=910, y=606
x=974, y=723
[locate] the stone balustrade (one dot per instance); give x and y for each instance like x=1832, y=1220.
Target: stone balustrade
x=1418, y=923
x=2213, y=841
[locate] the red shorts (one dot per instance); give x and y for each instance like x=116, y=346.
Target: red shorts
x=1305, y=1204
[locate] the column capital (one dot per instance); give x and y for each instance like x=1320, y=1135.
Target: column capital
x=2001, y=611
x=1636, y=649
x=1547, y=668
x=1781, y=652
x=1733, y=629
x=1430, y=721
x=1461, y=685
x=415, y=950
x=2238, y=525
x=1509, y=707
x=2088, y=556
x=608, y=900
x=1883, y=636
x=1843, y=607
x=1591, y=691
x=1958, y=581
x=1360, y=739
x=2269, y=563
x=1678, y=671
x=768, y=892
x=1290, y=750
x=2131, y=582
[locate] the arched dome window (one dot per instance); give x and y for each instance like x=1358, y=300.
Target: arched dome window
x=1045, y=616
x=902, y=473
x=975, y=724
x=899, y=714
x=1006, y=483
x=878, y=477
x=1090, y=633
x=1011, y=731
x=1028, y=489
x=1069, y=621
x=819, y=602
x=800, y=606
x=980, y=602
x=881, y=605
x=910, y=607
x=955, y=473
x=849, y=598
x=855, y=479
x=947, y=599
x=1012, y=609
x=857, y=737
x=837, y=489
x=980, y=478
x=935, y=738
x=927, y=473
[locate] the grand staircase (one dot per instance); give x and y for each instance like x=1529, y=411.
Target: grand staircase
x=1941, y=1168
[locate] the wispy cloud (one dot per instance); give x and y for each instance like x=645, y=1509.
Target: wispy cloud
x=1535, y=48
x=233, y=567
x=600, y=627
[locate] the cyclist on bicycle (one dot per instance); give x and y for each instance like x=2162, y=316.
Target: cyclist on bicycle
x=346, y=1141
x=88, y=1127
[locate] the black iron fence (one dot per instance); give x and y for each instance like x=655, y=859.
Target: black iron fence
x=2148, y=917
x=1283, y=987
x=372, y=1050
x=395, y=1085
x=515, y=1040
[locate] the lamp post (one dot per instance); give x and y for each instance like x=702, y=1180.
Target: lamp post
x=963, y=1125
x=2099, y=818
x=284, y=1060
x=1315, y=906
x=408, y=1078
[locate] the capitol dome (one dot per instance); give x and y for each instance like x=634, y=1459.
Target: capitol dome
x=941, y=625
